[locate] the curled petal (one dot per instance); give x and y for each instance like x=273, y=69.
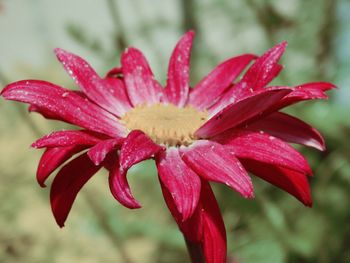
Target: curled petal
x=290, y=129
x=136, y=148
x=182, y=183
x=119, y=185
x=291, y=181
x=68, y=138
x=209, y=89
x=264, y=148
x=98, y=152
x=67, y=183
x=52, y=158
x=64, y=105
x=141, y=86
x=214, y=162
x=176, y=91
x=242, y=111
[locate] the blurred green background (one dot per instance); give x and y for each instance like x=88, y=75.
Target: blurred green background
x=273, y=227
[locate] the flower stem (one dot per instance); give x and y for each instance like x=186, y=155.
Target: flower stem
x=195, y=251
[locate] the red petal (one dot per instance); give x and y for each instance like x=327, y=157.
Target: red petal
x=290, y=129
x=241, y=111
x=265, y=68
x=213, y=161
x=291, y=181
x=177, y=87
x=65, y=104
x=110, y=95
x=141, y=86
x=264, y=148
x=99, y=152
x=192, y=228
x=67, y=138
x=114, y=72
x=52, y=158
x=136, y=148
x=183, y=184
x=324, y=86
x=209, y=89
x=67, y=183
x=119, y=186
x=308, y=91
x=206, y=227
x=214, y=233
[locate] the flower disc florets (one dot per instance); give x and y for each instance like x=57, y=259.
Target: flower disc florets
x=166, y=124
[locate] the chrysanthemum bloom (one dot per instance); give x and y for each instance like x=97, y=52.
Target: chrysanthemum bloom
x=217, y=131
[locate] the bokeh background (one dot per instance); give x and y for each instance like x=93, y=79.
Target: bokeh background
x=272, y=228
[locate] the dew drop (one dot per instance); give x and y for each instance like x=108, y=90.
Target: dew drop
x=65, y=94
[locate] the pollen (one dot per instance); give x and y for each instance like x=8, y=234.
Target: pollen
x=166, y=124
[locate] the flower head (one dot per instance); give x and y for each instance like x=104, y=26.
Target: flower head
x=217, y=131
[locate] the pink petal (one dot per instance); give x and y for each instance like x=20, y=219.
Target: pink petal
x=67, y=183
x=64, y=104
x=52, y=158
x=264, y=69
x=119, y=186
x=176, y=91
x=214, y=233
x=290, y=129
x=291, y=181
x=110, y=95
x=141, y=86
x=242, y=111
x=98, y=152
x=209, y=89
x=68, y=138
x=214, y=162
x=264, y=148
x=136, y=148
x=183, y=184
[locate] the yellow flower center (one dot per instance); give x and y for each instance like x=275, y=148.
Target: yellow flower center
x=165, y=124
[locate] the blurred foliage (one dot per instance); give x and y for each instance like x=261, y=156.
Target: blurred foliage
x=272, y=228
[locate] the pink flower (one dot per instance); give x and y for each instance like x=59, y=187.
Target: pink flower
x=218, y=131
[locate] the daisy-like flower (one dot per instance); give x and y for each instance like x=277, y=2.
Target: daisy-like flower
x=217, y=131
